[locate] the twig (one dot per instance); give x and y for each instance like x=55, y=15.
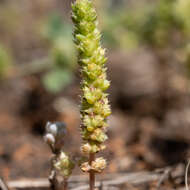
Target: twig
x=65, y=183
x=163, y=177
x=3, y=185
x=54, y=184
x=79, y=182
x=27, y=183
x=101, y=186
x=53, y=180
x=43, y=182
x=136, y=178
x=186, y=175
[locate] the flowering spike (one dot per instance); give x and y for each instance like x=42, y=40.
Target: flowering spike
x=91, y=57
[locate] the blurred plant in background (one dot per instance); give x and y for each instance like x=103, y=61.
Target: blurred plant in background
x=62, y=53
x=162, y=25
x=5, y=63
x=182, y=11
x=150, y=25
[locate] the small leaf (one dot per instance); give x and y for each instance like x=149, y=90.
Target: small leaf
x=56, y=80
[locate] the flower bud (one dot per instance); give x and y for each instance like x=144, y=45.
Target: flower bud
x=92, y=122
x=55, y=133
x=85, y=167
x=49, y=139
x=86, y=148
x=61, y=129
x=99, y=164
x=56, y=128
x=52, y=129
x=99, y=135
x=64, y=165
x=95, y=148
x=92, y=94
x=102, y=107
x=92, y=70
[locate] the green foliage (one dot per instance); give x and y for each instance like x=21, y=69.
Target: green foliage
x=116, y=36
x=182, y=8
x=5, y=62
x=160, y=24
x=57, y=79
x=154, y=25
x=62, y=54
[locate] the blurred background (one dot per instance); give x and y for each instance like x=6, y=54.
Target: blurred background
x=148, y=51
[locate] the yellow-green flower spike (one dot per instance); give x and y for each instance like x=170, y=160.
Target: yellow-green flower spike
x=95, y=107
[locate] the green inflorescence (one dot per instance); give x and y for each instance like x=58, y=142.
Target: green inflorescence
x=64, y=165
x=95, y=107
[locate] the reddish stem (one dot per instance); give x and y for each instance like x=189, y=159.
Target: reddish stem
x=65, y=183
x=92, y=174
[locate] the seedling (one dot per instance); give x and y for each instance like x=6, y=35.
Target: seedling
x=61, y=163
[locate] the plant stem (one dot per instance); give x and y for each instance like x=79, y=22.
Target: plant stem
x=53, y=176
x=65, y=184
x=92, y=174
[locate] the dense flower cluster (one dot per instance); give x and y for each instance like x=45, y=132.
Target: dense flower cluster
x=91, y=57
x=64, y=165
x=97, y=165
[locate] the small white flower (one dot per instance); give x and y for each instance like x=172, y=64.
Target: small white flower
x=53, y=129
x=56, y=129
x=55, y=133
x=86, y=148
x=63, y=156
x=49, y=138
